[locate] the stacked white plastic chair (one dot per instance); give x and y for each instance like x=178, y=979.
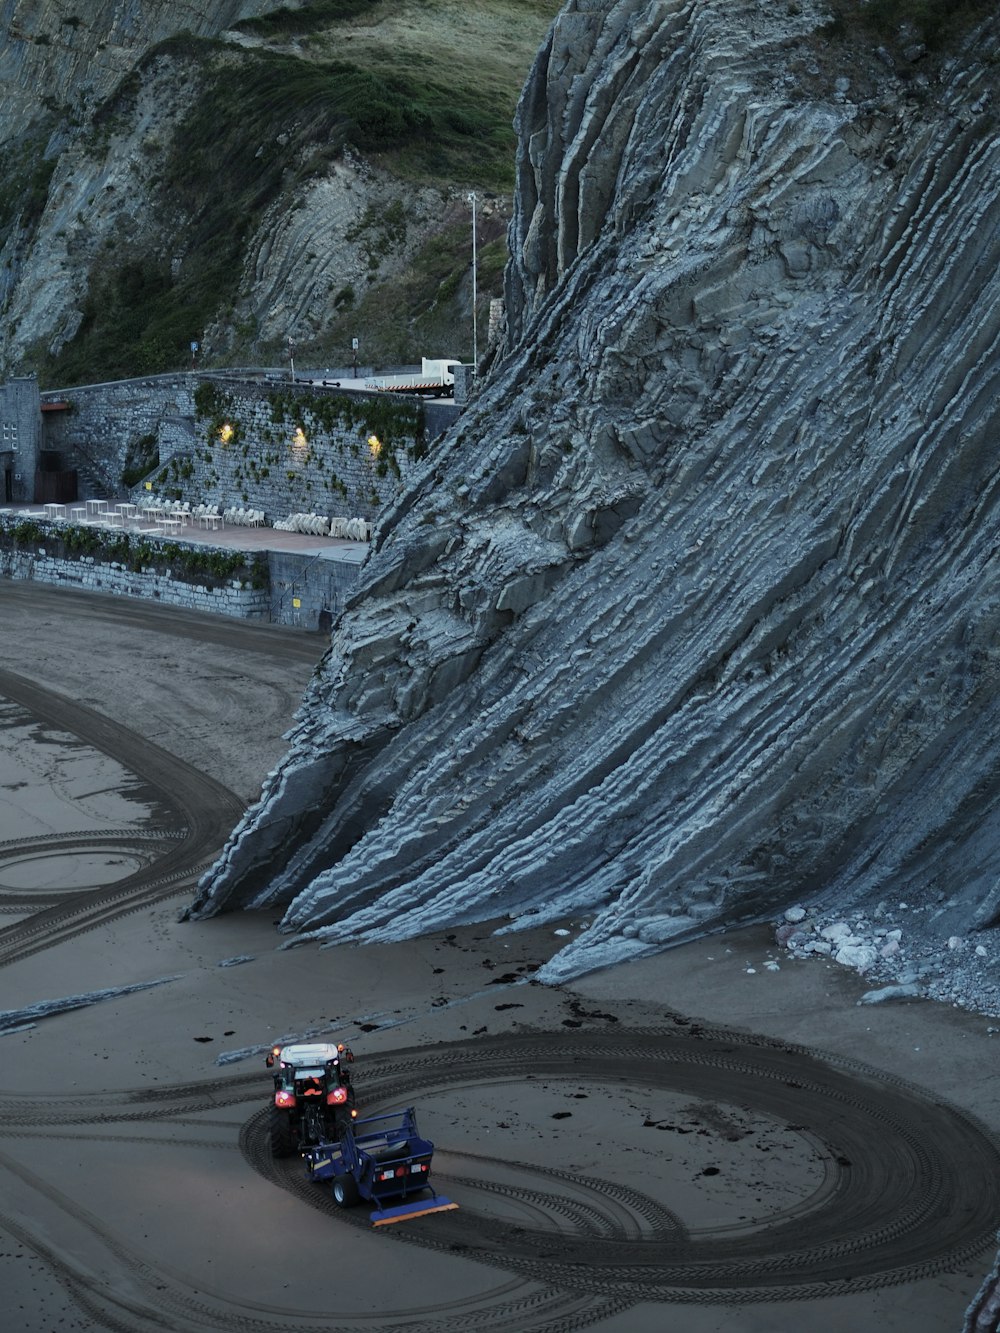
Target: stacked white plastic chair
x=244, y=518
x=315, y=525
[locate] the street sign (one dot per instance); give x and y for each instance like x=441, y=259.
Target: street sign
x=354, y=344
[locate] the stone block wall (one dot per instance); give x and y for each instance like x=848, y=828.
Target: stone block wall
x=296, y=449
x=104, y=420
x=288, y=448
x=292, y=588
x=233, y=599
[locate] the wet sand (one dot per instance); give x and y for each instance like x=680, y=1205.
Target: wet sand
x=137, y=1189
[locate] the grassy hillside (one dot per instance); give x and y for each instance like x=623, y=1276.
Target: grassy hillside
x=937, y=23
x=424, y=88
x=452, y=70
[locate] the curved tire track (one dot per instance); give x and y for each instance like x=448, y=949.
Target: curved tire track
x=913, y=1184
x=201, y=811
x=921, y=1193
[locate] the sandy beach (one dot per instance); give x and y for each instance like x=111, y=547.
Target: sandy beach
x=719, y=1138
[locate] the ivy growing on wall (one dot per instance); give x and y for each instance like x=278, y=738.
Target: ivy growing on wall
x=397, y=425
x=189, y=564
x=217, y=407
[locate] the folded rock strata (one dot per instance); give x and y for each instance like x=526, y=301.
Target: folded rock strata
x=695, y=613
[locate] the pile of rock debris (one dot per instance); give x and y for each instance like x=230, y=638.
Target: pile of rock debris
x=894, y=947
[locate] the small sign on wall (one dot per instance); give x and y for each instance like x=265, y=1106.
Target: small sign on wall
x=297, y=602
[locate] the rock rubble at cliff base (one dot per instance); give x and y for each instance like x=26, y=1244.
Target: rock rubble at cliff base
x=896, y=950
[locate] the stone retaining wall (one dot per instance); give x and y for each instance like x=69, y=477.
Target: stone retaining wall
x=284, y=587
x=104, y=420
x=289, y=448
x=294, y=449
x=232, y=599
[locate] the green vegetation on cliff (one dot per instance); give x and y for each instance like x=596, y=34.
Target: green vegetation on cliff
x=427, y=90
x=934, y=22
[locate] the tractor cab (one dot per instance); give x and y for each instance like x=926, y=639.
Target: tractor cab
x=311, y=1082
x=313, y=1096
x=312, y=1070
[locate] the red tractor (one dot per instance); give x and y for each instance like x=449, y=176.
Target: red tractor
x=313, y=1096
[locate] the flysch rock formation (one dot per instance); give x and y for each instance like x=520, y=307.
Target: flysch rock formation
x=97, y=99
x=55, y=59
x=78, y=53
x=694, y=615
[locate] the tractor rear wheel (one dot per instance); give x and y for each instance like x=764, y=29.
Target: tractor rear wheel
x=282, y=1140
x=345, y=1191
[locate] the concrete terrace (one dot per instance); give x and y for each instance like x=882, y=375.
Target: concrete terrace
x=310, y=575
x=231, y=537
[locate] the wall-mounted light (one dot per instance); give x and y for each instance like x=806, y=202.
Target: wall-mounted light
x=375, y=445
x=226, y=432
x=299, y=440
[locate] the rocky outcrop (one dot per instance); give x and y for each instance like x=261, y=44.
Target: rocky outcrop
x=137, y=189
x=696, y=613
x=78, y=53
x=57, y=66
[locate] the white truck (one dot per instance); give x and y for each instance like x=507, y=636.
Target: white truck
x=436, y=379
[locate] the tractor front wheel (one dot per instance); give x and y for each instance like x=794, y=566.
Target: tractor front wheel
x=345, y=1191
x=282, y=1140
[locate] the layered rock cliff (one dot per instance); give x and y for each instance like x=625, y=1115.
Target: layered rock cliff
x=77, y=58
x=695, y=614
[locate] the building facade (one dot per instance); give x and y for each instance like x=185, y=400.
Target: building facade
x=20, y=438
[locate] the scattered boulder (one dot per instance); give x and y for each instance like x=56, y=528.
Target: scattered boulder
x=908, y=992
x=840, y=930
x=859, y=956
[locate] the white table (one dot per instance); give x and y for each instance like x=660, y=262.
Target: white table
x=210, y=520
x=55, y=511
x=95, y=507
x=168, y=524
x=127, y=511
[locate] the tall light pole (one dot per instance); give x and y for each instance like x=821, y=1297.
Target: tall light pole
x=291, y=355
x=475, y=294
